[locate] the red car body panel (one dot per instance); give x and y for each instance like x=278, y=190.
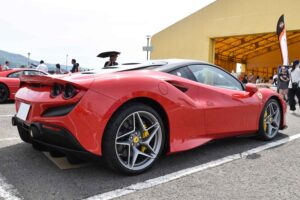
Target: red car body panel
x=194, y=117
x=13, y=84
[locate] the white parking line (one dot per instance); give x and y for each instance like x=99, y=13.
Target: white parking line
x=7, y=191
x=179, y=174
x=6, y=115
x=9, y=139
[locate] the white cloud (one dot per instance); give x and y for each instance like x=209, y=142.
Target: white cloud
x=50, y=29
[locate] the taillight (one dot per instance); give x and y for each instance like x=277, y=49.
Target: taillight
x=56, y=90
x=69, y=91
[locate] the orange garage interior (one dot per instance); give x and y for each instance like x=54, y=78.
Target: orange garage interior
x=259, y=54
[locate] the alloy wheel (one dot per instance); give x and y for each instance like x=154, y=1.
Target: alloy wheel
x=138, y=140
x=272, y=117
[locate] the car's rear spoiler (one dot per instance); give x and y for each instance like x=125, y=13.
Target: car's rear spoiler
x=51, y=80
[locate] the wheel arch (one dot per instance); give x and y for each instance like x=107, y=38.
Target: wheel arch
x=157, y=107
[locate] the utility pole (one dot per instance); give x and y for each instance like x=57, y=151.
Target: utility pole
x=148, y=48
x=148, y=43
x=28, y=58
x=67, y=62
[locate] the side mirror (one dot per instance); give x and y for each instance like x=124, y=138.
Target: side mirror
x=251, y=88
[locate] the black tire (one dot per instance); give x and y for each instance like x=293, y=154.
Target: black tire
x=269, y=123
x=4, y=93
x=110, y=147
x=24, y=134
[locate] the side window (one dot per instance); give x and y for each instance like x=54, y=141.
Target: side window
x=211, y=75
x=15, y=75
x=183, y=72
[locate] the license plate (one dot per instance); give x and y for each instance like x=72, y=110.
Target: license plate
x=23, y=111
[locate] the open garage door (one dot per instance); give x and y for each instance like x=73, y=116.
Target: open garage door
x=259, y=53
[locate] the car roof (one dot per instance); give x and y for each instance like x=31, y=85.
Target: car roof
x=12, y=70
x=165, y=65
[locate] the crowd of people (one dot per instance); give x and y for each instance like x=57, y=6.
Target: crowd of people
x=75, y=65
x=256, y=80
x=43, y=67
x=286, y=80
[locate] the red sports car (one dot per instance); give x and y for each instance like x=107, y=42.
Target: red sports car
x=10, y=81
x=130, y=115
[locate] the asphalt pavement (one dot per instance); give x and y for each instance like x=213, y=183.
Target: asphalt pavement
x=269, y=174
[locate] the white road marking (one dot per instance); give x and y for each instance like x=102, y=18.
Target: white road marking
x=6, y=115
x=7, y=191
x=179, y=174
x=9, y=139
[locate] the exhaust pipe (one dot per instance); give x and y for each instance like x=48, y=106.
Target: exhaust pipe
x=34, y=131
x=14, y=121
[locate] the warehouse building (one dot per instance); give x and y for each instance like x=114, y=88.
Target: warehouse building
x=233, y=32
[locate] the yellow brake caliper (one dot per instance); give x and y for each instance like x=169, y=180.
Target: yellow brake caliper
x=265, y=120
x=144, y=135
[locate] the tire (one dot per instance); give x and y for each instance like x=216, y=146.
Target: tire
x=4, y=93
x=269, y=122
x=136, y=150
x=24, y=134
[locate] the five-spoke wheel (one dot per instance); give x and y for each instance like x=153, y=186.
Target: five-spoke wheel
x=134, y=139
x=270, y=120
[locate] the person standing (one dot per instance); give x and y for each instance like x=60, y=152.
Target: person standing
x=245, y=79
x=251, y=78
x=57, y=69
x=6, y=66
x=294, y=86
x=112, y=60
x=283, y=82
x=275, y=79
x=257, y=80
x=75, y=66
x=42, y=67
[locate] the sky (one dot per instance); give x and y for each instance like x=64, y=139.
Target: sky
x=52, y=29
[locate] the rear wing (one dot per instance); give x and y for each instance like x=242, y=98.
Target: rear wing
x=40, y=81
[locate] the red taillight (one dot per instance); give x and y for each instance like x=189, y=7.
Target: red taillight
x=56, y=90
x=68, y=91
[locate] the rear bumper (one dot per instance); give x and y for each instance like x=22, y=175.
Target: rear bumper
x=53, y=137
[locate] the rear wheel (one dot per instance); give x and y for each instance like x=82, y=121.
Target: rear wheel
x=134, y=139
x=270, y=119
x=4, y=93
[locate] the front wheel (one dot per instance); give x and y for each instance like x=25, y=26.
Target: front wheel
x=270, y=119
x=134, y=139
